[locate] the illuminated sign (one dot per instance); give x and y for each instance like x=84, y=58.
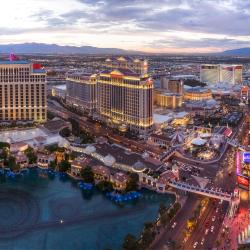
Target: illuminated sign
x=246, y=157
x=37, y=66
x=116, y=76
x=243, y=181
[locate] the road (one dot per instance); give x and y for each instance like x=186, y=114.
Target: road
x=227, y=182
x=184, y=214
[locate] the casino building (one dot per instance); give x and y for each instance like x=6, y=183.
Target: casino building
x=210, y=73
x=243, y=169
x=22, y=91
x=125, y=95
x=197, y=94
x=231, y=74
x=81, y=91
x=166, y=99
x=225, y=73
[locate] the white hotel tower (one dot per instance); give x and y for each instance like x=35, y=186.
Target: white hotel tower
x=214, y=73
x=22, y=92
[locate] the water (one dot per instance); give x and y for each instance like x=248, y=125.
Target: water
x=41, y=212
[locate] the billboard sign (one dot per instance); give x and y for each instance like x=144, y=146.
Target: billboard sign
x=243, y=181
x=246, y=157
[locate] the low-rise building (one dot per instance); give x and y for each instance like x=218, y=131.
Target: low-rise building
x=77, y=165
x=101, y=173
x=156, y=183
x=159, y=140
x=44, y=158
x=22, y=160
x=119, y=181
x=167, y=100
x=197, y=94
x=18, y=147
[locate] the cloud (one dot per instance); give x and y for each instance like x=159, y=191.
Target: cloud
x=177, y=42
x=155, y=24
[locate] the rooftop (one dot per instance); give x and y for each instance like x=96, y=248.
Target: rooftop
x=125, y=72
x=122, y=156
x=14, y=62
x=61, y=87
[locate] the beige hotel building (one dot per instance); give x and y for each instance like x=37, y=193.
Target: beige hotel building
x=22, y=92
x=125, y=95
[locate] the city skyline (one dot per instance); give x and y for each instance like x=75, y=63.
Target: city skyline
x=152, y=26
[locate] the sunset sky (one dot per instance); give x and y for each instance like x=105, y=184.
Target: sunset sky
x=145, y=25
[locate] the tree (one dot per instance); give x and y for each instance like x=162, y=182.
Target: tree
x=87, y=174
x=52, y=165
x=65, y=132
x=190, y=223
x=130, y=243
x=64, y=166
x=12, y=164
x=105, y=186
x=4, y=145
x=50, y=115
x=30, y=153
x=75, y=127
x=162, y=208
x=4, y=154
x=132, y=184
x=148, y=235
x=164, y=219
x=86, y=137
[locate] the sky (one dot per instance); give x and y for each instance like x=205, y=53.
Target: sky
x=162, y=26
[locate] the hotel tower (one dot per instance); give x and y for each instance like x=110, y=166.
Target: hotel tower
x=81, y=91
x=225, y=73
x=125, y=95
x=22, y=92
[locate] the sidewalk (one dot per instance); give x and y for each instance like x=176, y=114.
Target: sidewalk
x=235, y=226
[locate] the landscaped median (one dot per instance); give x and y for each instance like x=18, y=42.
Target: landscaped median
x=152, y=229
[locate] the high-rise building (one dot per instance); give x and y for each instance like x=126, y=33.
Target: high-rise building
x=138, y=66
x=174, y=86
x=22, y=92
x=125, y=95
x=214, y=73
x=81, y=91
x=210, y=73
x=231, y=74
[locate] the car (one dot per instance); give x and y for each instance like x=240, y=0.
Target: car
x=206, y=232
x=174, y=225
x=213, y=219
x=202, y=241
x=195, y=244
x=212, y=229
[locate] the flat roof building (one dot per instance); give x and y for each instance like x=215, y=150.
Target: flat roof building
x=23, y=94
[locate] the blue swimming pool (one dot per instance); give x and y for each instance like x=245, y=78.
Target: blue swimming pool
x=38, y=211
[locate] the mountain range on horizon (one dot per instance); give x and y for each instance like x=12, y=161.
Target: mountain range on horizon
x=42, y=48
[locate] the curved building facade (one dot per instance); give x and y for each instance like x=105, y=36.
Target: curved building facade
x=198, y=94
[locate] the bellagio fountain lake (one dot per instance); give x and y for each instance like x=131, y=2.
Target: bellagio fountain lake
x=39, y=211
